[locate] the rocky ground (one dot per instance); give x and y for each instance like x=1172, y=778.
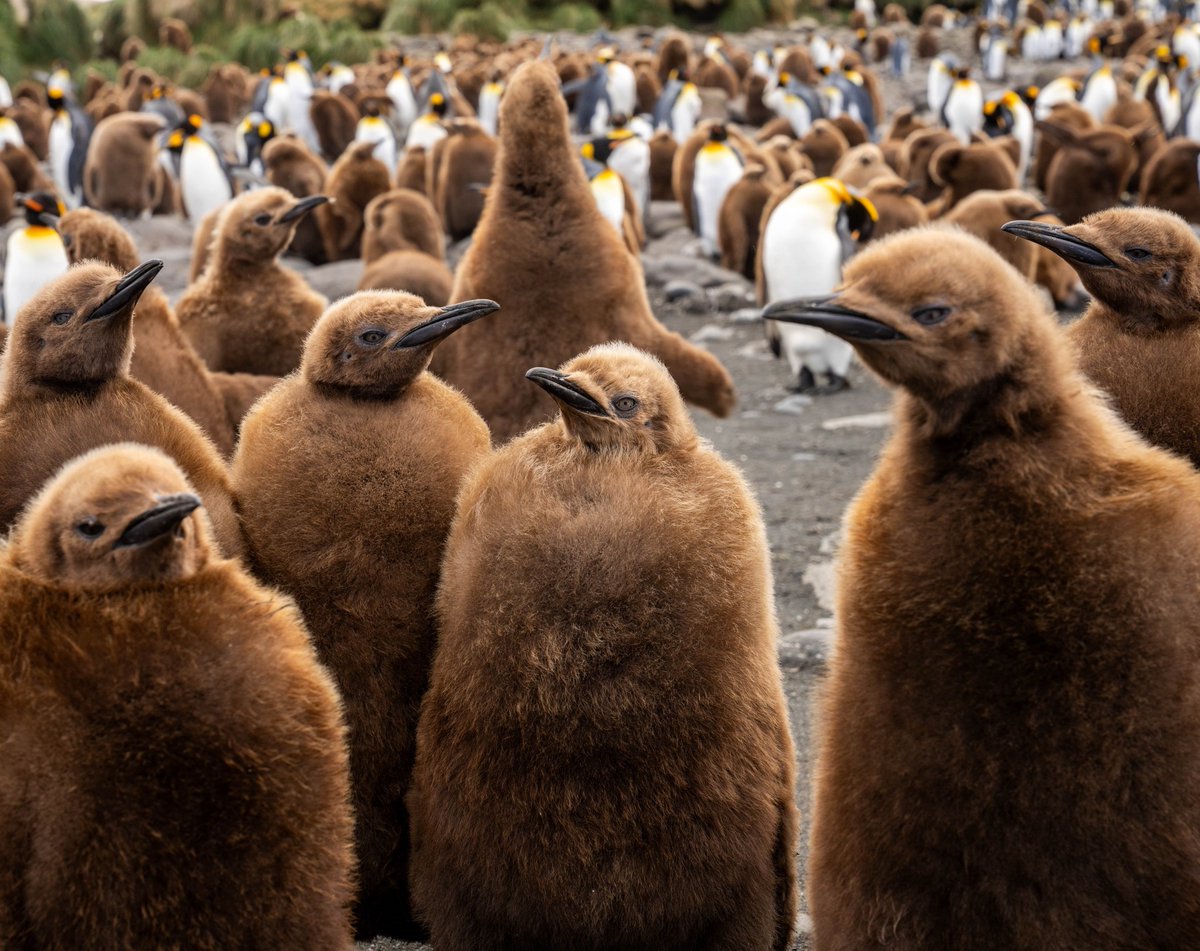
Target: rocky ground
x=805, y=457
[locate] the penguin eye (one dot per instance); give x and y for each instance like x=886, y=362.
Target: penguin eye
x=60, y=317
x=90, y=529
x=371, y=338
x=928, y=316
x=263, y=219
x=1138, y=254
x=625, y=405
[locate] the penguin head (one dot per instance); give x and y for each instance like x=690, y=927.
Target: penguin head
x=942, y=335
x=120, y=515
x=597, y=150
x=1143, y=263
x=718, y=133
x=373, y=344
x=75, y=332
x=91, y=235
x=616, y=398
x=42, y=210
x=438, y=104
x=257, y=225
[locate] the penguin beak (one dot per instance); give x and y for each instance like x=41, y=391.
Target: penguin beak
x=570, y=394
x=1068, y=247
x=127, y=291
x=448, y=320
x=156, y=522
x=302, y=208
x=826, y=313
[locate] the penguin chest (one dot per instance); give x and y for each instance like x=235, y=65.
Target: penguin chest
x=36, y=256
x=203, y=181
x=374, y=129
x=489, y=108
x=718, y=169
x=425, y=132
x=964, y=110
x=610, y=198
x=10, y=133
x=632, y=161
x=60, y=144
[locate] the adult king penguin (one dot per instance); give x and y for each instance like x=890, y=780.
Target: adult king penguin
x=806, y=240
x=174, y=755
x=590, y=290
x=35, y=253
x=363, y=422
x=718, y=167
x=1011, y=723
x=70, y=132
x=204, y=179
x=603, y=758
x=962, y=112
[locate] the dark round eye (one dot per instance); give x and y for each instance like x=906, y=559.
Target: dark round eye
x=90, y=529
x=60, y=317
x=371, y=338
x=1138, y=254
x=928, y=316
x=625, y=405
x=263, y=219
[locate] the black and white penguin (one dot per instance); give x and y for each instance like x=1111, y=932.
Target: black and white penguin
x=254, y=131
x=35, y=253
x=718, y=168
x=404, y=100
x=70, y=132
x=1008, y=115
x=805, y=241
x=629, y=155
x=593, y=101
x=962, y=112
x=795, y=101
x=372, y=127
x=428, y=129
x=205, y=182
x=678, y=107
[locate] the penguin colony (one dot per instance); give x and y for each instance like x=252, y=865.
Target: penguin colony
x=427, y=613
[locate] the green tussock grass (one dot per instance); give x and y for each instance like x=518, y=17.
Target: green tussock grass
x=640, y=13
x=57, y=29
x=488, y=22
x=738, y=16
x=10, y=53
x=258, y=46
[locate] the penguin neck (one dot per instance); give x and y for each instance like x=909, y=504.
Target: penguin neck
x=549, y=174
x=1139, y=322
x=1026, y=400
x=233, y=262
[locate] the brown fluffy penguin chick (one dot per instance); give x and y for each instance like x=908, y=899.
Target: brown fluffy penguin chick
x=122, y=157
x=741, y=220
x=1011, y=726
x=861, y=165
x=1090, y=170
x=175, y=766
x=247, y=313
x=962, y=170
x=66, y=389
x=985, y=212
x=355, y=178
x=590, y=291
x=662, y=163
x=1139, y=340
x=897, y=209
x=410, y=173
x=202, y=239
x=380, y=430
x=403, y=247
x=293, y=166
x=163, y=357
x=824, y=144
x=467, y=161
x=604, y=762
x=1169, y=181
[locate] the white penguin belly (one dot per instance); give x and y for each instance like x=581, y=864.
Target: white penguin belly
x=632, y=160
x=717, y=171
x=60, y=145
x=35, y=256
x=202, y=180
x=610, y=198
x=425, y=133
x=373, y=129
x=802, y=257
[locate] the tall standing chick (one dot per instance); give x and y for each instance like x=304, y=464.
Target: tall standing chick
x=65, y=388
x=539, y=200
x=364, y=429
x=1011, y=738
x=1139, y=340
x=604, y=759
x=247, y=313
x=175, y=765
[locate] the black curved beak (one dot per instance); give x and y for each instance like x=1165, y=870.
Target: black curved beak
x=448, y=320
x=1068, y=247
x=128, y=290
x=161, y=520
x=825, y=313
x=562, y=389
x=302, y=208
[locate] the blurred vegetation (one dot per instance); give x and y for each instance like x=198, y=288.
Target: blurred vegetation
x=10, y=55
x=57, y=29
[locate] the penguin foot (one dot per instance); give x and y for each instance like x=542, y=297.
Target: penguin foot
x=805, y=383
x=835, y=385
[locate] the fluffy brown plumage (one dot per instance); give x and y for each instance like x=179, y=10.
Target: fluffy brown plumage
x=120, y=174
x=175, y=766
x=1169, y=180
x=590, y=290
x=604, y=762
x=403, y=247
x=983, y=212
x=1140, y=338
x=1010, y=744
x=346, y=477
x=740, y=221
x=292, y=165
x=355, y=178
x=467, y=159
x=247, y=313
x=66, y=389
x=1089, y=171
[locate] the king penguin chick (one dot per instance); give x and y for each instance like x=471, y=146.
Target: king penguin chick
x=175, y=770
x=1139, y=340
x=806, y=240
x=591, y=290
x=1007, y=760
x=163, y=357
x=363, y=413
x=121, y=172
x=402, y=247
x=600, y=763
x=35, y=254
x=717, y=169
x=66, y=389
x=247, y=313
x=354, y=180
